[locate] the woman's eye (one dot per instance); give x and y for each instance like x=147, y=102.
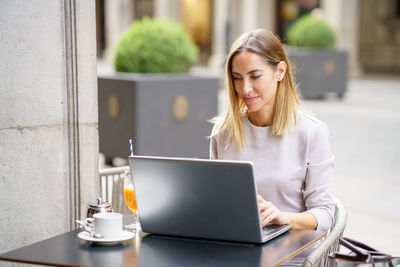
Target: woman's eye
x=235, y=78
x=255, y=77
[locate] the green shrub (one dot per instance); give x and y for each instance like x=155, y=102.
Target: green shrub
x=154, y=46
x=311, y=32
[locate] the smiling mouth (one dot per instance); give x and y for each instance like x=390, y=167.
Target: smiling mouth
x=250, y=99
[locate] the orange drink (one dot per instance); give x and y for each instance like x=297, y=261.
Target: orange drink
x=130, y=199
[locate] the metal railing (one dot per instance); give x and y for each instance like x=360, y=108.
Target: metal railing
x=112, y=187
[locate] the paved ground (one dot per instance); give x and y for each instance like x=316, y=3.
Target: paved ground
x=365, y=137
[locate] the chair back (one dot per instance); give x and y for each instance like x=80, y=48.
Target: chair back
x=112, y=188
x=319, y=257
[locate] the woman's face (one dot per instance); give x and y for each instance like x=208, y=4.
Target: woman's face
x=256, y=81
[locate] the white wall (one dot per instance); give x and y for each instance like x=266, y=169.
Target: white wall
x=48, y=117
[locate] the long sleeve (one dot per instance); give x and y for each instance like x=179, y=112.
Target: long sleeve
x=213, y=148
x=213, y=154
x=318, y=185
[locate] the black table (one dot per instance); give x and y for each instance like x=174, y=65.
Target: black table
x=151, y=250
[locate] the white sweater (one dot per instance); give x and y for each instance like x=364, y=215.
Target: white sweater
x=294, y=172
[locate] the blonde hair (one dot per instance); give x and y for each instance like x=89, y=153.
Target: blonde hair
x=267, y=45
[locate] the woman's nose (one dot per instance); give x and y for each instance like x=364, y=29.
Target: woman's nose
x=247, y=87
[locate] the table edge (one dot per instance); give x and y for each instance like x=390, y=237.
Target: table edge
x=297, y=251
x=35, y=262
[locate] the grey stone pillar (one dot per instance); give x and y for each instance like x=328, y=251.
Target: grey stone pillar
x=119, y=15
x=168, y=9
x=349, y=37
x=161, y=8
x=266, y=14
x=48, y=117
x=249, y=15
x=220, y=19
x=344, y=17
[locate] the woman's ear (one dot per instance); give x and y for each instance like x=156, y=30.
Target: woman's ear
x=280, y=70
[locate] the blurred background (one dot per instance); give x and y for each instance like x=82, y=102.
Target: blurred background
x=60, y=107
x=364, y=122
x=368, y=30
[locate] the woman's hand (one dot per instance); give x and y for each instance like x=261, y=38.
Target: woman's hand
x=270, y=213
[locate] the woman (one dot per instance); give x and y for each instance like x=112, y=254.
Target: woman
x=264, y=124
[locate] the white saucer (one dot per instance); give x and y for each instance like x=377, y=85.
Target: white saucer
x=125, y=235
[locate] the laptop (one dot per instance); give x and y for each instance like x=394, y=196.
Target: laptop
x=199, y=198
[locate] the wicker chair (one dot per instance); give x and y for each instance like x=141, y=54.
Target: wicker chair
x=112, y=188
x=319, y=257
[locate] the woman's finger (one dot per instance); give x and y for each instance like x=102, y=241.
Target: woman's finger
x=265, y=205
x=270, y=218
x=265, y=221
x=267, y=213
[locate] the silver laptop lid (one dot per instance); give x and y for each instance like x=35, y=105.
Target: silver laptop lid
x=198, y=198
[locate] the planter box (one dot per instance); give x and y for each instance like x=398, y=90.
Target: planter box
x=164, y=114
x=319, y=71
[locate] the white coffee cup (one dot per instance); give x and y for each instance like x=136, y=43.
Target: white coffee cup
x=104, y=225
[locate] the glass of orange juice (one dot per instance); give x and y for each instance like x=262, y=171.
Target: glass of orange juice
x=130, y=200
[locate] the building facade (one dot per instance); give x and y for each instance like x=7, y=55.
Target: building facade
x=368, y=30
x=49, y=140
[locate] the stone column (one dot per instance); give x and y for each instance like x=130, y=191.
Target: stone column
x=266, y=14
x=344, y=17
x=220, y=19
x=48, y=117
x=119, y=14
x=333, y=14
x=349, y=35
x=216, y=62
x=249, y=15
x=168, y=9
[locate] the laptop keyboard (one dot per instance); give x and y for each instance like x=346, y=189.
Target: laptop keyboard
x=267, y=231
